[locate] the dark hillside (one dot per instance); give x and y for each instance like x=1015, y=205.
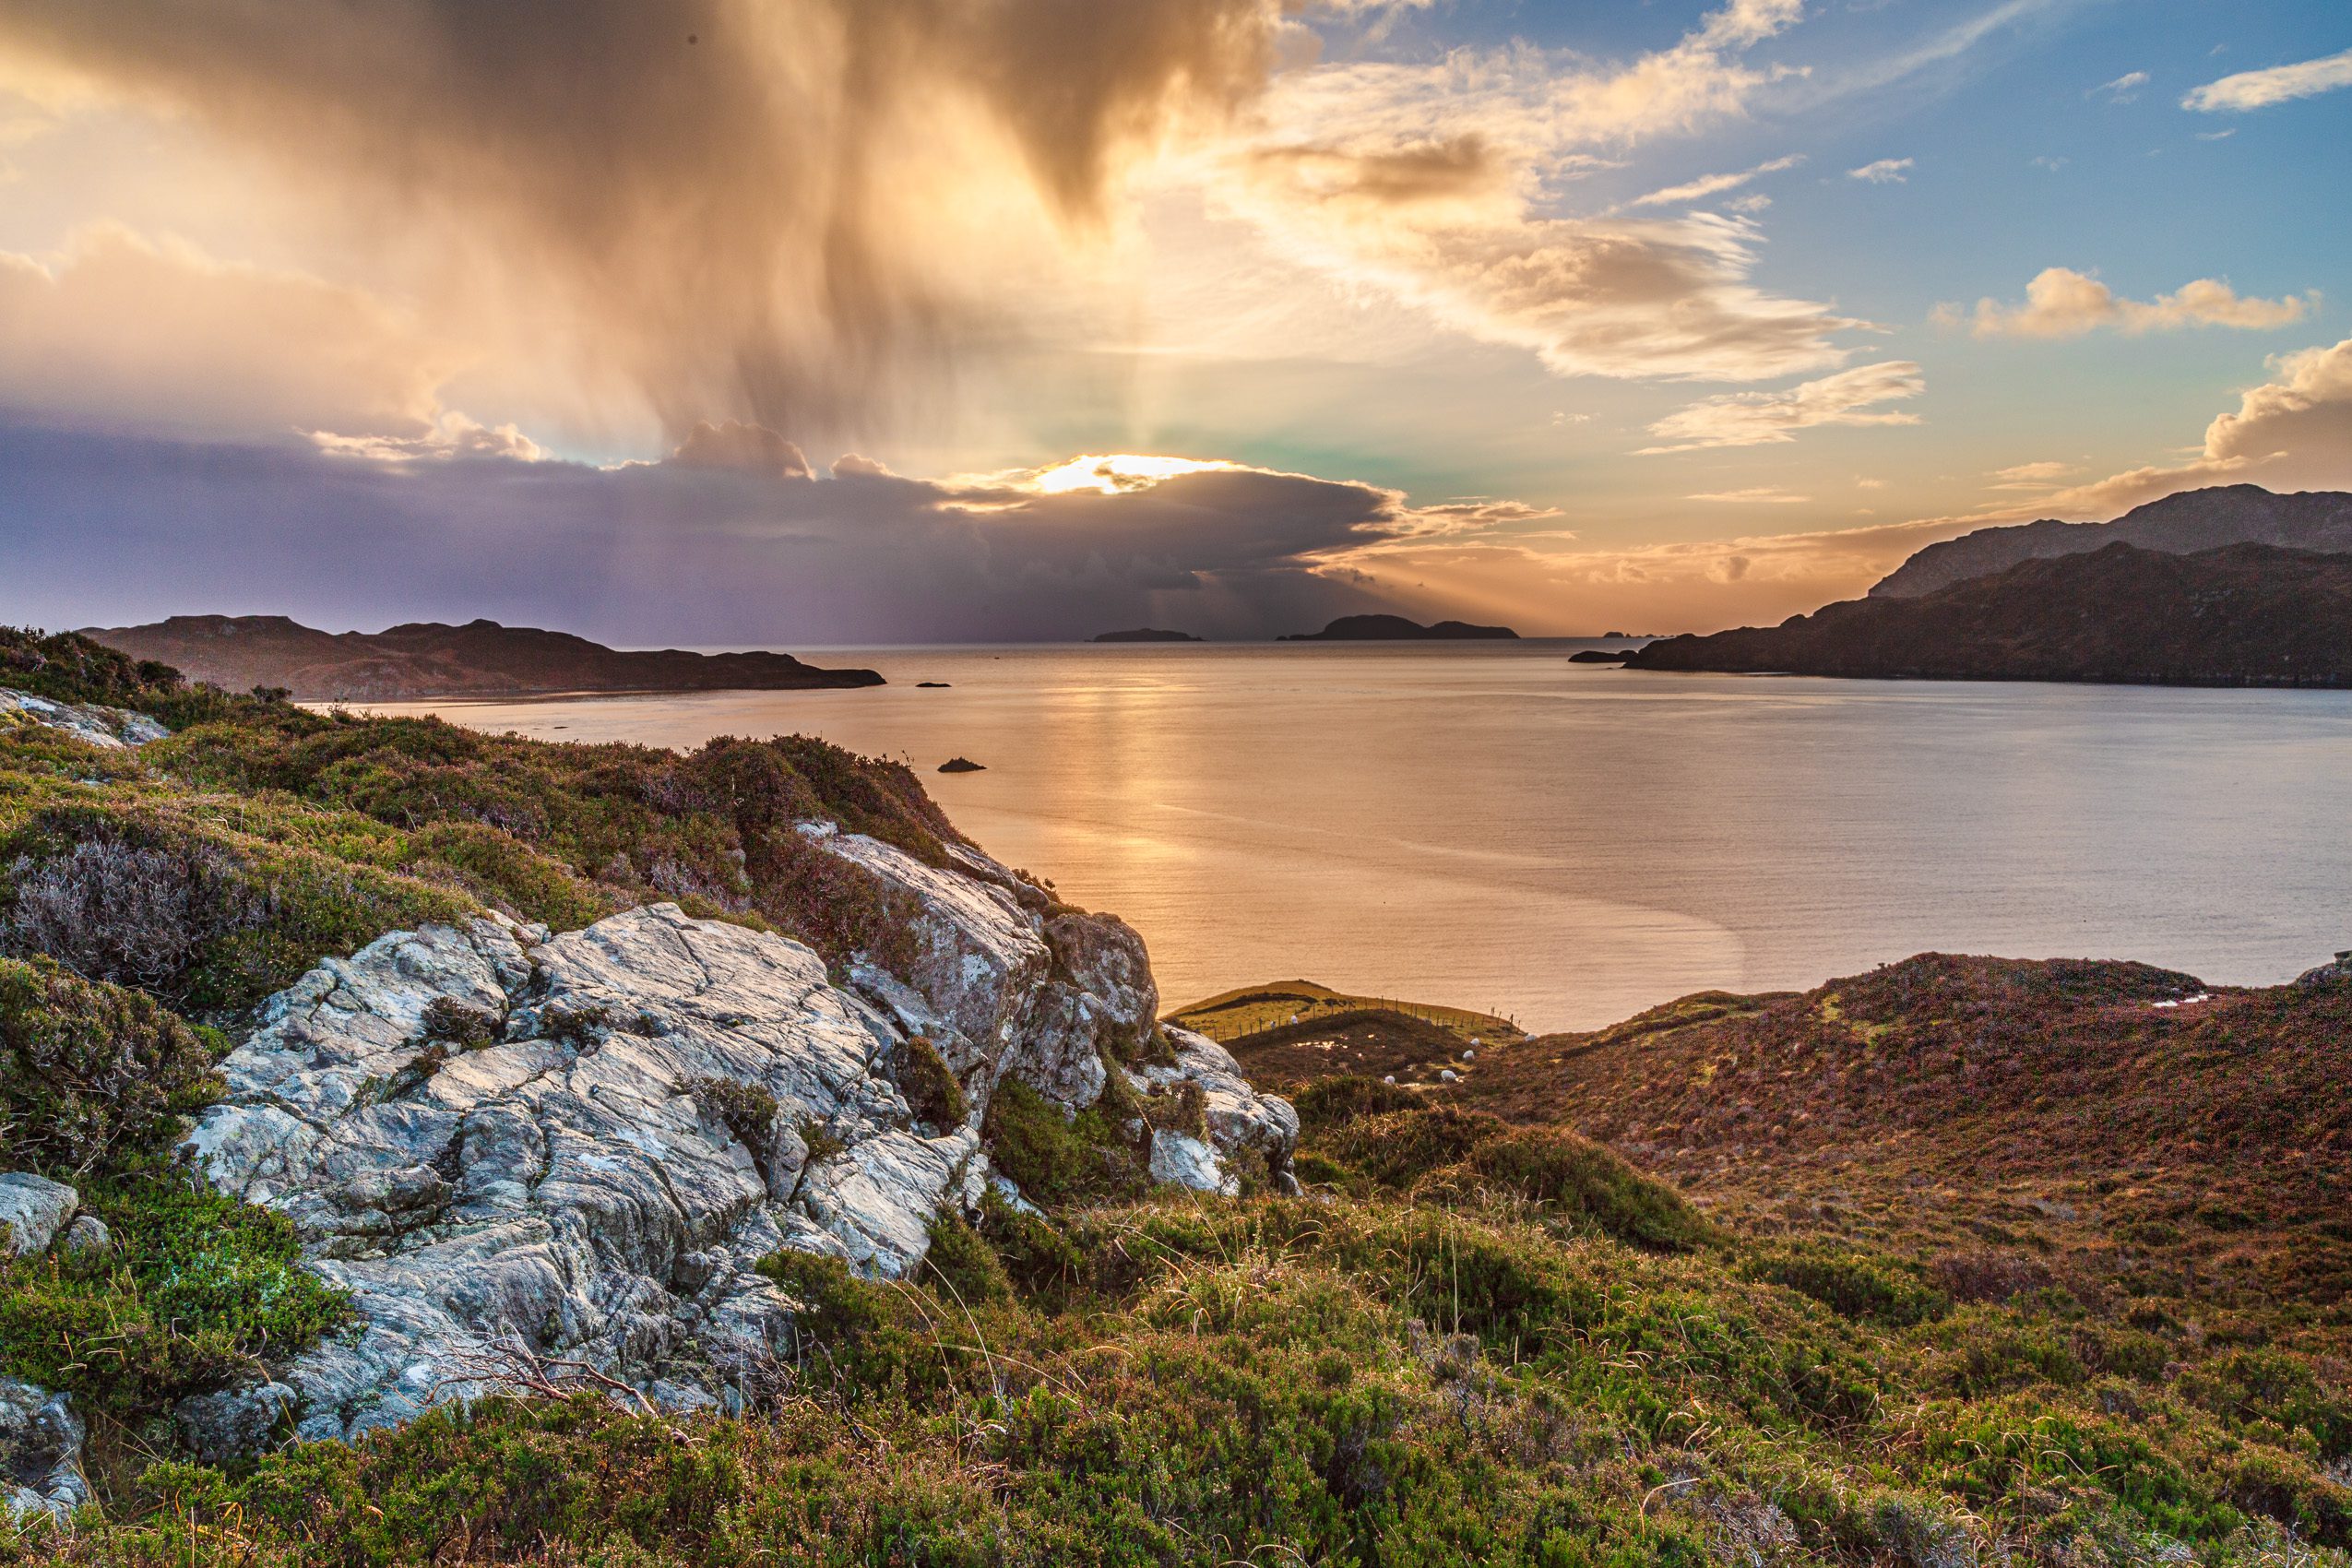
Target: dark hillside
x=2246, y=615
x=480, y=658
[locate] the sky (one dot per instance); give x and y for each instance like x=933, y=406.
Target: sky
x=806, y=323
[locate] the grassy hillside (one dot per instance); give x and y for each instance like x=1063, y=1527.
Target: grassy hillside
x=2116, y=1124
x=1808, y=1311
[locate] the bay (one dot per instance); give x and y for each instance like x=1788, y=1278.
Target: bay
x=1493, y=826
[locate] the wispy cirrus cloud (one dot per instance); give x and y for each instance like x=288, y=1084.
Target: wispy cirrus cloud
x=1886, y=170
x=2122, y=89
x=2040, y=476
x=2062, y=302
x=2276, y=84
x=1715, y=185
x=1754, y=495
x=1758, y=418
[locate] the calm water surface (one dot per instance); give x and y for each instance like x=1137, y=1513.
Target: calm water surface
x=1499, y=828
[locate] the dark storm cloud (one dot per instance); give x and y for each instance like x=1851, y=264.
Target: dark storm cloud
x=111, y=530
x=739, y=200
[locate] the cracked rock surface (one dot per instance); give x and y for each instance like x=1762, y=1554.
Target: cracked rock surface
x=109, y=729
x=497, y=1138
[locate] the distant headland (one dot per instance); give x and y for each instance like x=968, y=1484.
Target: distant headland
x=425, y=659
x=1396, y=629
x=1147, y=634
x=2243, y=615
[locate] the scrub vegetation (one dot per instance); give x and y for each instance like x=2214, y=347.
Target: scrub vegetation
x=1954, y=1264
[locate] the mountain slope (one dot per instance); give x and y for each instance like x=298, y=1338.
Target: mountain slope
x=2249, y=614
x=480, y=658
x=2184, y=524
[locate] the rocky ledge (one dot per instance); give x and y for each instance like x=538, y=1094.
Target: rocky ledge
x=109, y=729
x=518, y=1149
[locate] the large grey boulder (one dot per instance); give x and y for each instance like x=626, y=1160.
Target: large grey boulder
x=504, y=1143
x=34, y=1209
x=515, y=1149
x=41, y=1451
x=109, y=729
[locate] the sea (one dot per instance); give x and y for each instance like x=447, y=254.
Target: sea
x=1493, y=825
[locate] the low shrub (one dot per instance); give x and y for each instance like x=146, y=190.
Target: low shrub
x=930, y=1086
x=1396, y=1150
x=961, y=1261
x=90, y=1074
x=1989, y=1275
x=1577, y=1179
x=748, y=1111
x=196, y=1286
x=68, y=667
x=1058, y=1160
x=1329, y=1102
x=1866, y=1286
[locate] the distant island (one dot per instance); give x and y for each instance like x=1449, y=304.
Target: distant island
x=2243, y=615
x=1396, y=629
x=1147, y=634
x=2180, y=524
x=425, y=659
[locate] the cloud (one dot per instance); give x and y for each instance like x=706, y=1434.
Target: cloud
x=723, y=542
x=1763, y=495
x=1757, y=419
x=2032, y=476
x=748, y=449
x=121, y=333
x=2122, y=89
x=1716, y=184
x=1432, y=184
x=1885, y=170
x=2062, y=302
x=2260, y=90
x=782, y=212
x=2292, y=432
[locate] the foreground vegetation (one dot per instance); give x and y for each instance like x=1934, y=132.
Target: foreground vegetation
x=1479, y=1337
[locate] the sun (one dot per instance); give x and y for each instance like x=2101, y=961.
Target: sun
x=1115, y=473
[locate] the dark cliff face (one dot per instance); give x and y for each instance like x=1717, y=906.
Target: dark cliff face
x=424, y=659
x=2184, y=524
x=2249, y=614
x=1395, y=628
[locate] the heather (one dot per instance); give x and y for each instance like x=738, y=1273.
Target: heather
x=1959, y=1261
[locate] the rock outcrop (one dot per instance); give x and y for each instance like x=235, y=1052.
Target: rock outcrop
x=41, y=1451
x=33, y=1209
x=110, y=728
x=2337, y=973
x=513, y=1147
